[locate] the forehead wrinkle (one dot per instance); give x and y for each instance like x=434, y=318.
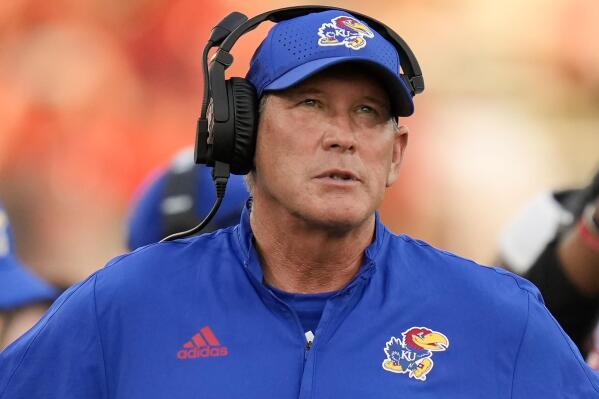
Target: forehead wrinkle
x=384, y=102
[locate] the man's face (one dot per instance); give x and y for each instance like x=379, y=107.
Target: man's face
x=327, y=148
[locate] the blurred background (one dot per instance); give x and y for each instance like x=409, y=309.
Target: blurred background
x=95, y=95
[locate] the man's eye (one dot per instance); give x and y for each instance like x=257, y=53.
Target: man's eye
x=310, y=102
x=367, y=109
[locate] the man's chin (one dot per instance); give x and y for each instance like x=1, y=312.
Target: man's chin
x=336, y=219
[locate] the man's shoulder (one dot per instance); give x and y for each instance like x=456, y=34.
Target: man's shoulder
x=161, y=261
x=443, y=265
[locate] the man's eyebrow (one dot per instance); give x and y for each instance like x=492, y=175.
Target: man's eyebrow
x=379, y=101
x=297, y=91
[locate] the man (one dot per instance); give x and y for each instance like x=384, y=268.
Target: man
x=23, y=296
x=310, y=296
x=177, y=199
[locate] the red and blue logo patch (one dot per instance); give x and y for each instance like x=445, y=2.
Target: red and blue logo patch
x=344, y=31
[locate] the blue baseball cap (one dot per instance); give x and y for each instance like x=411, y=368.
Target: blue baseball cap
x=177, y=198
x=298, y=48
x=18, y=285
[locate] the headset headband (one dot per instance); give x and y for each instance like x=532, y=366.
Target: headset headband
x=235, y=25
x=408, y=61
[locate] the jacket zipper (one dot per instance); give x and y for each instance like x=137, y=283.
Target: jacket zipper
x=309, y=340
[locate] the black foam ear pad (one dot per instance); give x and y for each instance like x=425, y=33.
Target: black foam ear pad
x=245, y=106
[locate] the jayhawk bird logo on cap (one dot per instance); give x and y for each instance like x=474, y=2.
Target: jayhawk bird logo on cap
x=412, y=354
x=346, y=31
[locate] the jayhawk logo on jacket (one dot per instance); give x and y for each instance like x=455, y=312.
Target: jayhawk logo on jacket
x=346, y=31
x=412, y=354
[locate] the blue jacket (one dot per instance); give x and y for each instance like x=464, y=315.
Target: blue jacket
x=192, y=319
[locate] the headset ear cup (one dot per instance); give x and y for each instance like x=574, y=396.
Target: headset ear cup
x=245, y=105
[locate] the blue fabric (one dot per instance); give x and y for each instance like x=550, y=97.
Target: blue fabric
x=145, y=223
x=308, y=307
x=18, y=285
x=298, y=48
x=207, y=327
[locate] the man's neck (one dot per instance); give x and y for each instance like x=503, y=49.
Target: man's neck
x=297, y=257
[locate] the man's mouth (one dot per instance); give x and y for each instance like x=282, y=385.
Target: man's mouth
x=339, y=175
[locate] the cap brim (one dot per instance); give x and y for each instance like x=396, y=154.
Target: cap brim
x=401, y=100
x=19, y=287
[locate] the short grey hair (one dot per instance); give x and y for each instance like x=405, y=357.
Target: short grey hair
x=262, y=103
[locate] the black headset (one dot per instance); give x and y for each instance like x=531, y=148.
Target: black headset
x=226, y=130
x=227, y=127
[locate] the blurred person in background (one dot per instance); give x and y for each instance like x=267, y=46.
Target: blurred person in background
x=23, y=296
x=177, y=198
x=554, y=242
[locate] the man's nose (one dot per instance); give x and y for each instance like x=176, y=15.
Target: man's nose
x=339, y=134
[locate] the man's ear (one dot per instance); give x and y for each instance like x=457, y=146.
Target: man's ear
x=400, y=142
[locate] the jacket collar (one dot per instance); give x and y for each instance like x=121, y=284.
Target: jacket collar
x=251, y=260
